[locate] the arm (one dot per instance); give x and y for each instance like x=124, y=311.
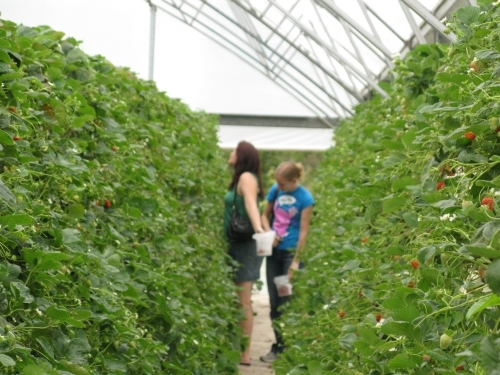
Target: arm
x=248, y=188
x=305, y=220
x=265, y=216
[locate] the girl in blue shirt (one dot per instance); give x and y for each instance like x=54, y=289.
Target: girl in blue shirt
x=291, y=205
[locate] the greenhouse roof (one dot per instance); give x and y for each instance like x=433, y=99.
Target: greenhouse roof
x=328, y=54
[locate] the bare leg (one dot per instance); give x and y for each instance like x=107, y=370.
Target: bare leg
x=244, y=295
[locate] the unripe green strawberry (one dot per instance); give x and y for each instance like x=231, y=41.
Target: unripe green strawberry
x=466, y=204
x=445, y=341
x=493, y=123
x=445, y=257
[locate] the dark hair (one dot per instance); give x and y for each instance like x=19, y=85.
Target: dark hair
x=247, y=160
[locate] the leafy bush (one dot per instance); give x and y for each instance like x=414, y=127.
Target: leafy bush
x=406, y=237
x=111, y=255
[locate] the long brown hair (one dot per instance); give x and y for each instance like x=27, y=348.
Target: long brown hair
x=247, y=160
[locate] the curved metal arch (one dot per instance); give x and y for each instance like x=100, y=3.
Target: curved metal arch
x=285, y=83
x=279, y=52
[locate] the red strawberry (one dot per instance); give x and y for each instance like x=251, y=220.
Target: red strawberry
x=411, y=284
x=440, y=185
x=341, y=314
x=364, y=240
x=17, y=138
x=379, y=317
x=460, y=368
x=488, y=201
x=470, y=135
x=107, y=203
x=415, y=263
x=12, y=109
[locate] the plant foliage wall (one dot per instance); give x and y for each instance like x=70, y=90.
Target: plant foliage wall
x=403, y=275
x=111, y=258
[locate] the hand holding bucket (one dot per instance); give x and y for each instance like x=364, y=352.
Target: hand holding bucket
x=283, y=285
x=264, y=243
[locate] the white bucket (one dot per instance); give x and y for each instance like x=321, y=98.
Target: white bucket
x=283, y=285
x=264, y=243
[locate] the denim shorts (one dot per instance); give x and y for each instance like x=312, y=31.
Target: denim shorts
x=245, y=253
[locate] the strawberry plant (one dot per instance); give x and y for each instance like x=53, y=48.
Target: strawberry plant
x=418, y=174
x=136, y=284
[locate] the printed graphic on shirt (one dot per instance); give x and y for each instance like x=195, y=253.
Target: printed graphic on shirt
x=284, y=215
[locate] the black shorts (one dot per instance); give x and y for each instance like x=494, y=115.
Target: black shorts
x=245, y=253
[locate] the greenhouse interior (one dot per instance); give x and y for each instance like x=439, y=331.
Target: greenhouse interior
x=254, y=187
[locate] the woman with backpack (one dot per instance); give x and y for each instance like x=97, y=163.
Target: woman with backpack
x=243, y=196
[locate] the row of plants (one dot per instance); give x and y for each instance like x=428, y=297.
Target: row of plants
x=403, y=264
x=111, y=254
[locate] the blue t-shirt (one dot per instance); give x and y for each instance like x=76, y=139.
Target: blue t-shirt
x=287, y=209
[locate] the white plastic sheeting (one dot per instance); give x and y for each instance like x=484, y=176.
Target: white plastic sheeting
x=276, y=138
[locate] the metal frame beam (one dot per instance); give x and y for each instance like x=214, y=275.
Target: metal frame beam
x=332, y=66
x=298, y=92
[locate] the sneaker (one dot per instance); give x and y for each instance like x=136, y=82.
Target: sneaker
x=269, y=357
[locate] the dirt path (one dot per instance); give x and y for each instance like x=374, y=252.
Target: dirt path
x=262, y=337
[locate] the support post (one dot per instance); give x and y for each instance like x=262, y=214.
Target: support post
x=152, y=32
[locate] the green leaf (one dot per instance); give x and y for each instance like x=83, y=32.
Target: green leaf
x=6, y=139
x=16, y=219
x=402, y=328
x=48, y=264
x=76, y=211
x=426, y=253
x=411, y=219
x=7, y=361
x=493, y=276
x=393, y=204
x=467, y=156
x=9, y=272
x=452, y=77
x=406, y=314
x=58, y=313
x=483, y=251
x=403, y=361
x=476, y=308
x=394, y=250
x=80, y=121
x=24, y=292
x=363, y=348
x=402, y=183
x=392, y=145
x=495, y=240
x=44, y=343
x=314, y=368
x=487, y=54
x=6, y=194
x=468, y=15
x=489, y=349
x=77, y=350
